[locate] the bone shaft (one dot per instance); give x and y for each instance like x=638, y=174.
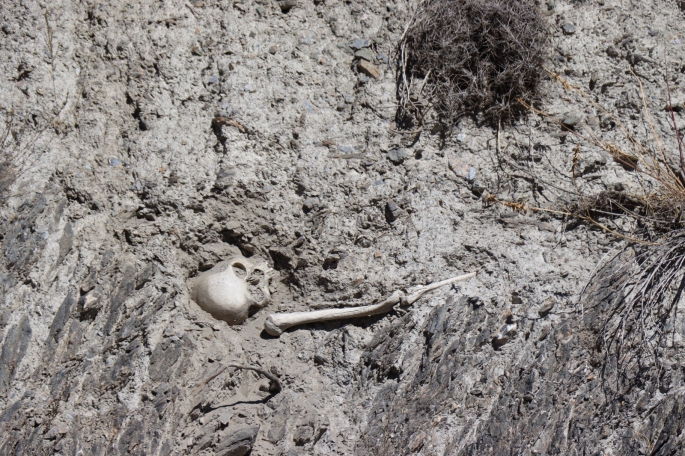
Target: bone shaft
x=277, y=323
x=435, y=285
x=412, y=298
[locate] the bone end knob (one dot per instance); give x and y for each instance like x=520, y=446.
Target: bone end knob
x=273, y=327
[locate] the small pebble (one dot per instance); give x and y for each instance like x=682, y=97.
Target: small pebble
x=114, y=162
x=360, y=43
x=568, y=28
x=397, y=156
x=594, y=78
x=392, y=211
x=369, y=69
x=225, y=418
x=571, y=120
x=365, y=54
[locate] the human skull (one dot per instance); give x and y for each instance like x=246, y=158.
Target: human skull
x=232, y=288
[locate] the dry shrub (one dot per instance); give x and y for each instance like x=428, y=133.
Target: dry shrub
x=470, y=56
x=23, y=139
x=646, y=271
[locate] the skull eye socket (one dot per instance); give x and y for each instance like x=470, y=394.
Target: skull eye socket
x=253, y=285
x=239, y=270
x=256, y=277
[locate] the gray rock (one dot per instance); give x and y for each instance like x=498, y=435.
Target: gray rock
x=546, y=308
x=360, y=43
x=392, y=211
x=311, y=204
x=13, y=351
x=225, y=418
x=278, y=424
x=303, y=434
x=236, y=441
x=571, y=120
x=22, y=246
x=287, y=5
x=163, y=357
x=91, y=302
x=397, y=156
x=568, y=28
x=225, y=177
x=365, y=54
x=594, y=78
x=60, y=319
x=66, y=242
x=636, y=57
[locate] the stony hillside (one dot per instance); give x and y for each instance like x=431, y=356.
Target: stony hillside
x=150, y=140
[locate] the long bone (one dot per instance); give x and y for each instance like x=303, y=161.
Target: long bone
x=275, y=324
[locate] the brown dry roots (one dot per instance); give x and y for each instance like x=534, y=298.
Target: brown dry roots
x=653, y=216
x=474, y=56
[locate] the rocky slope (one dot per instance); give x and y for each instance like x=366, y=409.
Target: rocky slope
x=154, y=139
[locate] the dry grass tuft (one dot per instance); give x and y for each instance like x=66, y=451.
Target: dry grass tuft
x=646, y=288
x=470, y=57
x=646, y=270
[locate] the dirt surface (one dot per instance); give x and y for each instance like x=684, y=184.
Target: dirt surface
x=164, y=137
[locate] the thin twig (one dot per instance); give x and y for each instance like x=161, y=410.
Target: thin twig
x=275, y=381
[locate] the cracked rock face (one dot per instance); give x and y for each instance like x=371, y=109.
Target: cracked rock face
x=162, y=138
